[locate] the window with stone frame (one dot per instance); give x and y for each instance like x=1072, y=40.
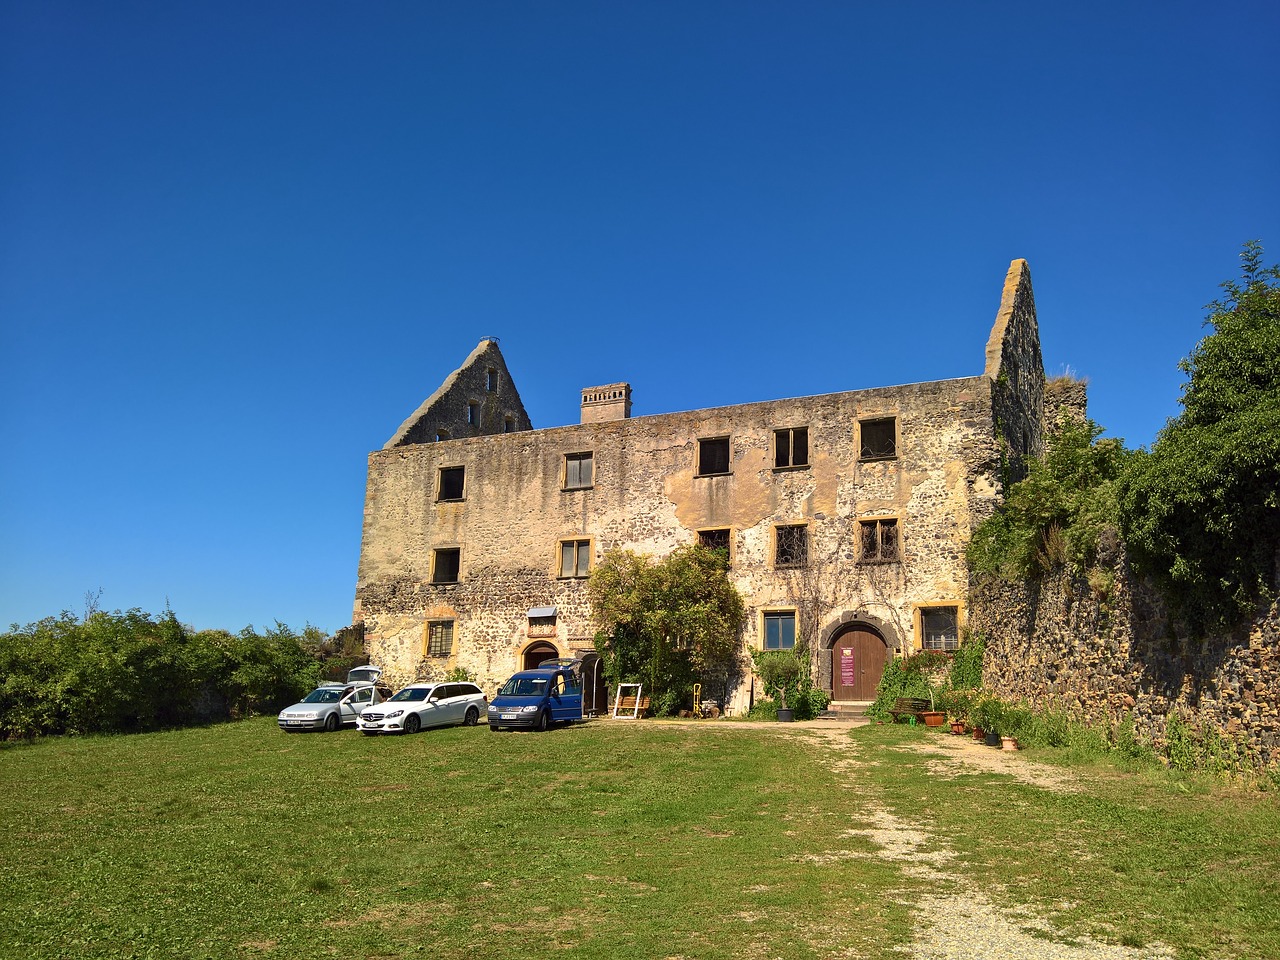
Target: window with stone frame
x=940, y=628
x=578, y=471
x=451, y=483
x=719, y=540
x=575, y=558
x=878, y=439
x=439, y=638
x=446, y=563
x=473, y=413
x=491, y=380
x=879, y=541
x=713, y=456
x=779, y=630
x=790, y=448
x=791, y=545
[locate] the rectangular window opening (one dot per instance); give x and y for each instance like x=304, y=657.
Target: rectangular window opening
x=439, y=638
x=791, y=448
x=879, y=541
x=780, y=630
x=716, y=540
x=446, y=564
x=491, y=380
x=451, y=483
x=713, y=456
x=473, y=413
x=575, y=558
x=879, y=439
x=791, y=546
x=940, y=628
x=578, y=471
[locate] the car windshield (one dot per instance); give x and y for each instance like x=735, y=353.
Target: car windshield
x=323, y=696
x=412, y=693
x=362, y=676
x=524, y=687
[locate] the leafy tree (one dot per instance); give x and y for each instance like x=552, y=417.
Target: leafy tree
x=1201, y=510
x=666, y=623
x=1059, y=512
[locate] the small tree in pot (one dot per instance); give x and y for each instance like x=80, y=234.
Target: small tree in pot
x=779, y=669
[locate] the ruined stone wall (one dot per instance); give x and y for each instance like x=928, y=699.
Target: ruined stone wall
x=1016, y=369
x=646, y=496
x=484, y=381
x=1065, y=398
x=1104, y=648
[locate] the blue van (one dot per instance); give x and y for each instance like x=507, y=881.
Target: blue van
x=535, y=699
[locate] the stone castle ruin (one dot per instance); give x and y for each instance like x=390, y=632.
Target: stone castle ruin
x=845, y=516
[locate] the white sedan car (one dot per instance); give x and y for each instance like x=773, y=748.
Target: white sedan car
x=426, y=705
x=329, y=706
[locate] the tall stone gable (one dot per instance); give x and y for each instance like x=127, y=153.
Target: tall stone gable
x=477, y=399
x=1016, y=370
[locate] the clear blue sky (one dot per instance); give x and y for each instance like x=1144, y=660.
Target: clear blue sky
x=240, y=242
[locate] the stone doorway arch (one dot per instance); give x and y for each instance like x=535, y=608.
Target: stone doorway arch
x=854, y=652
x=536, y=652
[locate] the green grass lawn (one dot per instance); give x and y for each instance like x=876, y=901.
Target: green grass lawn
x=628, y=840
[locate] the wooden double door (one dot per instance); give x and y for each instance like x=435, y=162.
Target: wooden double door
x=858, y=658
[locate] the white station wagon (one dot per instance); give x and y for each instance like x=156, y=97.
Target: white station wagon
x=422, y=705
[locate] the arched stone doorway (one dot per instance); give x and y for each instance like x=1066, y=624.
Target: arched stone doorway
x=858, y=653
x=535, y=653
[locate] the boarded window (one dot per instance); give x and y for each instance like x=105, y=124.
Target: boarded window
x=791, y=546
x=447, y=562
x=439, y=638
x=879, y=541
x=575, y=558
x=879, y=439
x=780, y=630
x=791, y=447
x=451, y=483
x=713, y=456
x=577, y=470
x=940, y=628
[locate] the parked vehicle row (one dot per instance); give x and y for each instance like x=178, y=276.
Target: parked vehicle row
x=531, y=699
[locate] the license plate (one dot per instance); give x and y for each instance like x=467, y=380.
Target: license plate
x=294, y=723
x=508, y=716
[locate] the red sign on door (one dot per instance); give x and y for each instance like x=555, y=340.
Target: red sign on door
x=848, y=675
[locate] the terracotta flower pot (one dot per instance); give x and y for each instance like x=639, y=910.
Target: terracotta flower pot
x=979, y=733
x=1008, y=743
x=957, y=727
x=933, y=718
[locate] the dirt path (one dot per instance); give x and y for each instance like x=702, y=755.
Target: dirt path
x=956, y=926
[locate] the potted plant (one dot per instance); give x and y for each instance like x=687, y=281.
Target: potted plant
x=958, y=704
x=933, y=717
x=779, y=669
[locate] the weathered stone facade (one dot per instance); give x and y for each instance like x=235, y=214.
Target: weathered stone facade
x=880, y=488
x=1103, y=648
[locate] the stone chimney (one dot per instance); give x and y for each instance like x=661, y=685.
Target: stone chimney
x=609, y=402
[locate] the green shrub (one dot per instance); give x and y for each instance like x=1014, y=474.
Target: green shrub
x=966, y=667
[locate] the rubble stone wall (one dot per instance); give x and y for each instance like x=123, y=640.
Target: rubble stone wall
x=1104, y=648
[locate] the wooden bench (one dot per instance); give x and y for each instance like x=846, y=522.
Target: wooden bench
x=909, y=707
x=631, y=707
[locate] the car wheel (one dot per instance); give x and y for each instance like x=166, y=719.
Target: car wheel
x=472, y=717
x=544, y=721
x=412, y=723
x=331, y=723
